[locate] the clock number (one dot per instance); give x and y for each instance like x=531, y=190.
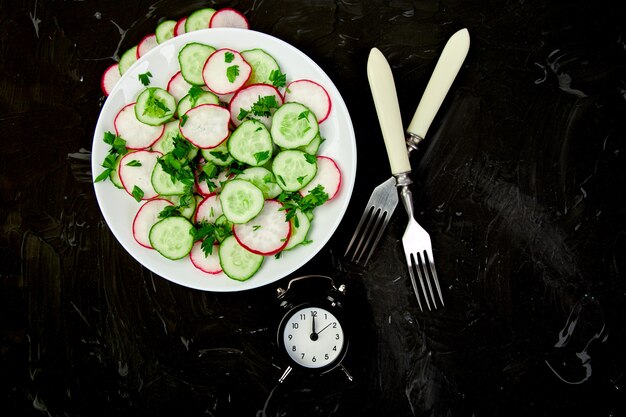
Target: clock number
x=314, y=359
x=314, y=313
x=302, y=355
x=335, y=348
x=326, y=316
x=302, y=316
x=326, y=356
x=336, y=336
x=290, y=336
x=334, y=325
x=294, y=325
x=293, y=348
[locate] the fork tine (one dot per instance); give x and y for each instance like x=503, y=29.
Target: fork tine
x=427, y=275
x=410, y=263
x=368, y=209
x=420, y=275
x=367, y=231
x=385, y=217
x=433, y=271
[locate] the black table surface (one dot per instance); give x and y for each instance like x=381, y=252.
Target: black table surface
x=520, y=184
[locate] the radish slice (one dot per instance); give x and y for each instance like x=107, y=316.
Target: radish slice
x=267, y=233
x=226, y=71
x=228, y=18
x=136, y=171
x=206, y=126
x=209, y=264
x=110, y=77
x=203, y=188
x=312, y=95
x=136, y=134
x=247, y=96
x=179, y=29
x=146, y=217
x=209, y=209
x=178, y=87
x=148, y=42
x=328, y=175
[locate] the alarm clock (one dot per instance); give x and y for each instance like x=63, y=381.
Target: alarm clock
x=313, y=333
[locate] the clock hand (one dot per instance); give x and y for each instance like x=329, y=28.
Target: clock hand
x=325, y=327
x=313, y=333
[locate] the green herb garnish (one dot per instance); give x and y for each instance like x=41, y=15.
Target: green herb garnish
x=261, y=156
x=118, y=148
x=210, y=233
x=145, y=78
x=232, y=73
x=137, y=193
x=229, y=57
x=277, y=78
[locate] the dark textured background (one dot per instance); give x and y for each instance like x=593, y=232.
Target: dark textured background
x=520, y=184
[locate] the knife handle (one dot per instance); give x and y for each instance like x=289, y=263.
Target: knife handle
x=443, y=76
x=386, y=102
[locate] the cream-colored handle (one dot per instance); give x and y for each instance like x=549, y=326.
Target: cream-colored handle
x=386, y=102
x=445, y=72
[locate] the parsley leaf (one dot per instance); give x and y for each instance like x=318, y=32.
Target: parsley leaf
x=292, y=201
x=194, y=94
x=232, y=73
x=118, y=148
x=262, y=107
x=154, y=105
x=137, y=193
x=277, y=78
x=229, y=57
x=210, y=233
x=222, y=156
x=145, y=78
x=261, y=156
x=183, y=120
x=311, y=159
x=134, y=163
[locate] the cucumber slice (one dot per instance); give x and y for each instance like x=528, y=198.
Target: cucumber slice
x=199, y=19
x=294, y=125
x=155, y=106
x=262, y=178
x=191, y=59
x=237, y=262
x=127, y=59
x=312, y=147
x=262, y=65
x=188, y=102
x=163, y=184
x=165, y=30
x=166, y=144
x=187, y=204
x=241, y=201
x=114, y=175
x=300, y=225
x=251, y=143
x=172, y=237
x=218, y=155
x=294, y=169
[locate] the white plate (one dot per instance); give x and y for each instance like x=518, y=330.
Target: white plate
x=119, y=209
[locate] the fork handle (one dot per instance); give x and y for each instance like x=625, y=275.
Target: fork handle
x=386, y=102
x=441, y=80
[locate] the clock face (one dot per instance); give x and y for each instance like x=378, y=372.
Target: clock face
x=313, y=337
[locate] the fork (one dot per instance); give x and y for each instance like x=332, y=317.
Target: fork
x=384, y=198
x=416, y=241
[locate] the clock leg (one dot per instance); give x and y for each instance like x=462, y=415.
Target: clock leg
x=285, y=374
x=345, y=371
